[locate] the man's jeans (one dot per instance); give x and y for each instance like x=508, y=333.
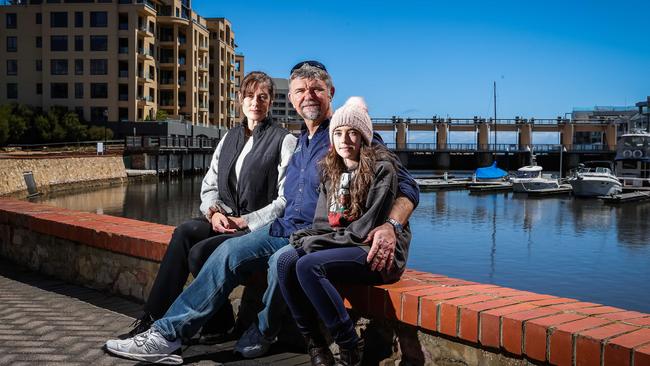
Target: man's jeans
x=231, y=263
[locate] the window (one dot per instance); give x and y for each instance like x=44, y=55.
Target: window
x=78, y=90
x=12, y=67
x=12, y=20
x=123, y=21
x=58, y=19
x=12, y=44
x=123, y=92
x=78, y=19
x=98, y=113
x=58, y=43
x=123, y=45
x=39, y=65
x=98, y=43
x=123, y=114
x=12, y=91
x=59, y=90
x=99, y=67
x=39, y=18
x=78, y=43
x=78, y=67
x=39, y=89
x=98, y=19
x=39, y=42
x=98, y=90
x=80, y=112
x=123, y=69
x=58, y=67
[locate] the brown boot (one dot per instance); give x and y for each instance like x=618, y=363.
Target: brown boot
x=319, y=353
x=351, y=357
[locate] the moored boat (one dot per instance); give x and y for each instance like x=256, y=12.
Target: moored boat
x=530, y=178
x=593, y=179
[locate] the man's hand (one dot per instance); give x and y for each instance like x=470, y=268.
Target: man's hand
x=222, y=224
x=382, y=251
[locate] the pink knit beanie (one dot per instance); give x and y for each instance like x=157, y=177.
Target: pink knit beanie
x=354, y=114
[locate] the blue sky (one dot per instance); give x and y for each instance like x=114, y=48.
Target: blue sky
x=425, y=58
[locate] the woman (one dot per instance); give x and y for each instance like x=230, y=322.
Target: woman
x=242, y=191
x=358, y=187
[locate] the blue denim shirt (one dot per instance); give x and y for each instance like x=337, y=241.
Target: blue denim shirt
x=303, y=178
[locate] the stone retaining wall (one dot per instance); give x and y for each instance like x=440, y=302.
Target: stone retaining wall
x=423, y=319
x=59, y=172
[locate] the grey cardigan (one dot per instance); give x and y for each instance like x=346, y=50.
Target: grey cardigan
x=381, y=196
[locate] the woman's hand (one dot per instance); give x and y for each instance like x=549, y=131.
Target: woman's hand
x=382, y=251
x=222, y=224
x=238, y=222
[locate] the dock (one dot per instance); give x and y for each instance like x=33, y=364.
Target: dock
x=563, y=189
x=627, y=197
x=489, y=187
x=433, y=184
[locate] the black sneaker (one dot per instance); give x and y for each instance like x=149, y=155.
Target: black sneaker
x=138, y=326
x=319, y=353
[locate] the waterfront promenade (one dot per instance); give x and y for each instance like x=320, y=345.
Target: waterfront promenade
x=45, y=320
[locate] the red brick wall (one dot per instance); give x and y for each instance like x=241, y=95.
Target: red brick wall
x=520, y=324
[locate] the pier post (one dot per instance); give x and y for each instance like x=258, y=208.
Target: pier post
x=610, y=136
x=400, y=134
x=525, y=132
x=483, y=136
x=566, y=135
x=442, y=131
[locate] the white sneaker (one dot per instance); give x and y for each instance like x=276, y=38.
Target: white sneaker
x=253, y=343
x=149, y=346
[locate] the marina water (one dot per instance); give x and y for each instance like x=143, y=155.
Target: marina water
x=563, y=246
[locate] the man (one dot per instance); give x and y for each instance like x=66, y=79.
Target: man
x=310, y=91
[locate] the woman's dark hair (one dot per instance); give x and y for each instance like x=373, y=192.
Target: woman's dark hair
x=253, y=80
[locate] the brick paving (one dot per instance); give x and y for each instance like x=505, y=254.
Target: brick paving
x=47, y=321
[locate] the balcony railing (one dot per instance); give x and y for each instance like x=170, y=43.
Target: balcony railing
x=146, y=3
x=124, y=73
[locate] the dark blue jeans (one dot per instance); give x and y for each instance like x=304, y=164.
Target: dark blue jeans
x=306, y=284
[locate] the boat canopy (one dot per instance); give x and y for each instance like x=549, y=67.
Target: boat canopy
x=490, y=172
x=530, y=168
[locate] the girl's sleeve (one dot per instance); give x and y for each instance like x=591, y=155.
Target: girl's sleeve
x=209, y=187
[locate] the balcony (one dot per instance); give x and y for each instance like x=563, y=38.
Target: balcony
x=203, y=87
x=203, y=67
x=145, y=77
x=203, y=107
x=168, y=83
x=145, y=100
x=144, y=31
x=145, y=54
x=203, y=48
x=148, y=7
x=168, y=103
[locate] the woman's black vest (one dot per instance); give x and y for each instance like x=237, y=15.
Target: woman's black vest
x=258, y=178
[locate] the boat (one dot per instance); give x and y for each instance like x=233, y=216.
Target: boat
x=595, y=178
x=530, y=178
x=633, y=160
x=490, y=173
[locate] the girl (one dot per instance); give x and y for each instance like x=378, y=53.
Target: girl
x=358, y=188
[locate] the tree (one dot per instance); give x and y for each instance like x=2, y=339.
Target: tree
x=96, y=133
x=5, y=112
x=74, y=130
x=161, y=115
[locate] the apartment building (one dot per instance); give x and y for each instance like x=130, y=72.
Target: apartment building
x=222, y=72
x=106, y=59
x=282, y=110
x=239, y=77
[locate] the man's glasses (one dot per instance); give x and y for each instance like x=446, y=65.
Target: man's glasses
x=315, y=64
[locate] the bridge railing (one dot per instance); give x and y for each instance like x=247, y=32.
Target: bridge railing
x=479, y=120
x=512, y=148
x=169, y=143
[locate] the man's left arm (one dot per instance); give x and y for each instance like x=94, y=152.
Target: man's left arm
x=383, y=237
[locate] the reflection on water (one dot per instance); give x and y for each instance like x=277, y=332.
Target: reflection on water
x=577, y=248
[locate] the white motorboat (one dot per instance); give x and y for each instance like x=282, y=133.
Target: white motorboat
x=530, y=178
x=592, y=179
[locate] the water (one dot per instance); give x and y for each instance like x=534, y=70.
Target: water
x=577, y=248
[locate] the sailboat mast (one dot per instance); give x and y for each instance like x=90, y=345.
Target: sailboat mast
x=495, y=113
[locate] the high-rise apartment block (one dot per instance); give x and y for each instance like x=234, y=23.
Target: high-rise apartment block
x=222, y=72
x=114, y=59
x=282, y=110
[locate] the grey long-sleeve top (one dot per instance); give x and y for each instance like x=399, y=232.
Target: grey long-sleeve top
x=381, y=196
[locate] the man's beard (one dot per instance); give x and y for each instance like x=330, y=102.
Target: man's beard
x=311, y=112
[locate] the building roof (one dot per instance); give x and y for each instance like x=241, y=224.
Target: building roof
x=281, y=83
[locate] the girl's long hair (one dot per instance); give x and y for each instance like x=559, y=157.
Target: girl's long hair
x=332, y=166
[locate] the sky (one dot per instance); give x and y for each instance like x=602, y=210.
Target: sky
x=440, y=58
